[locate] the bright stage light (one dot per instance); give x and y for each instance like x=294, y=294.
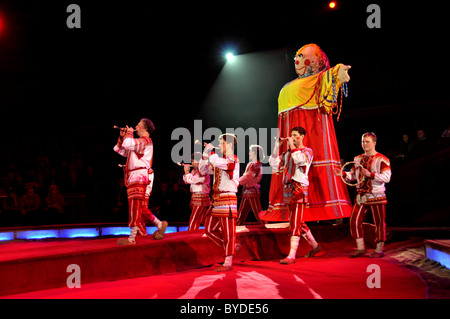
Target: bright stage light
x=332, y=4
x=230, y=57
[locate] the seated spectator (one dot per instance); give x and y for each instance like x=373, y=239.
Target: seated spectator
x=30, y=203
x=422, y=146
x=446, y=133
x=54, y=199
x=55, y=206
x=11, y=216
x=444, y=140
x=405, y=147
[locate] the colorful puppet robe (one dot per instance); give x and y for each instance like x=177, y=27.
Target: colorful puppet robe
x=310, y=101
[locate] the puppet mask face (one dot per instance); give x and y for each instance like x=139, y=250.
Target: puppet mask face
x=310, y=60
x=304, y=62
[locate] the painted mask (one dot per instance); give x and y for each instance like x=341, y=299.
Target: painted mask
x=310, y=60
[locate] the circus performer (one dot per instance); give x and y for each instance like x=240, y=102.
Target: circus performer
x=200, y=188
x=250, y=181
x=220, y=223
x=310, y=102
x=138, y=179
x=372, y=170
x=295, y=164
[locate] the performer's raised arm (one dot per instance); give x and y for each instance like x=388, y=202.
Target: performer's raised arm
x=275, y=158
x=204, y=166
x=189, y=178
x=118, y=147
x=130, y=143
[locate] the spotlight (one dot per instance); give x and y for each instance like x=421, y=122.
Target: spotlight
x=332, y=4
x=230, y=57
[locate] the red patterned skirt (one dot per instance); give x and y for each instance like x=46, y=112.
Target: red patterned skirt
x=224, y=205
x=200, y=200
x=327, y=194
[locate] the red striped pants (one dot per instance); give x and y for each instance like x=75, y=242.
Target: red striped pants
x=379, y=218
x=296, y=224
x=139, y=214
x=248, y=202
x=197, y=217
x=224, y=237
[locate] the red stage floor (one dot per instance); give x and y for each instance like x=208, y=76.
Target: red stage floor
x=336, y=277
x=179, y=267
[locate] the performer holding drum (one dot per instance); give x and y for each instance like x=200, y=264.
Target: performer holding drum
x=371, y=171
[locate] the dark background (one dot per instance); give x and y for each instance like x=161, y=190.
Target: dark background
x=62, y=90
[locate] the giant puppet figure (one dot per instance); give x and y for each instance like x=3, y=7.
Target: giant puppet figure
x=310, y=101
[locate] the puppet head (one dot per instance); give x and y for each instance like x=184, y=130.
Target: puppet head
x=310, y=60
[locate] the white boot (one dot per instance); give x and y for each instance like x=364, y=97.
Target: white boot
x=315, y=247
x=360, y=248
x=294, y=246
x=360, y=244
x=310, y=239
x=290, y=259
x=378, y=253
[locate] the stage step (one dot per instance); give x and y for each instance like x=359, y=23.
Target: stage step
x=438, y=250
x=45, y=264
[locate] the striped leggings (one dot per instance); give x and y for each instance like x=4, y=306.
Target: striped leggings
x=225, y=236
x=296, y=224
x=379, y=217
x=197, y=217
x=252, y=202
x=139, y=214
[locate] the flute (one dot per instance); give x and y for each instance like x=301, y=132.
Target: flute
x=122, y=128
x=183, y=164
x=204, y=144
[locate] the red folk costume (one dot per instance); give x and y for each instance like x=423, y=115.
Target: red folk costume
x=220, y=223
x=200, y=188
x=295, y=165
x=309, y=102
x=371, y=195
x=138, y=180
x=251, y=197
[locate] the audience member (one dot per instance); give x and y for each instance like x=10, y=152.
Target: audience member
x=422, y=146
x=54, y=206
x=446, y=132
x=11, y=215
x=444, y=139
x=405, y=147
x=30, y=204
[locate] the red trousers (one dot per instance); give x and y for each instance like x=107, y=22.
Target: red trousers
x=378, y=215
x=225, y=236
x=197, y=217
x=139, y=214
x=296, y=224
x=252, y=202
